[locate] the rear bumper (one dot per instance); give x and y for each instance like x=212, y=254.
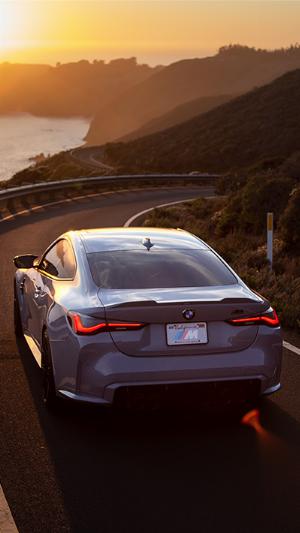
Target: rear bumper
x=91, y=369
x=198, y=393
x=271, y=390
x=99, y=378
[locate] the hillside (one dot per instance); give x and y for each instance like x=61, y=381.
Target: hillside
x=234, y=70
x=180, y=114
x=71, y=89
x=235, y=227
x=261, y=127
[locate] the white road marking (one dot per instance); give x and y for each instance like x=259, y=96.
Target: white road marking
x=7, y=523
x=35, y=208
x=137, y=215
x=291, y=347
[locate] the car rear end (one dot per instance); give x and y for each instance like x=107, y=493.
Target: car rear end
x=174, y=323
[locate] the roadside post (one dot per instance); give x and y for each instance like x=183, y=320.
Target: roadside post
x=270, y=238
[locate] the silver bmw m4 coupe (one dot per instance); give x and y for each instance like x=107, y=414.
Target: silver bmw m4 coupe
x=126, y=315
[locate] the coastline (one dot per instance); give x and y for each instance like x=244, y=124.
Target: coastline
x=24, y=136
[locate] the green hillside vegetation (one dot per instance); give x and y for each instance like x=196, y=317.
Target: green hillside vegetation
x=260, y=129
x=233, y=70
x=71, y=89
x=57, y=167
x=237, y=230
x=181, y=113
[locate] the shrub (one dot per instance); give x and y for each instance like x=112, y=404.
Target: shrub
x=290, y=222
x=247, y=209
x=291, y=166
x=246, y=252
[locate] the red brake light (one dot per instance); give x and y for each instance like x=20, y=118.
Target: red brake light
x=85, y=330
x=93, y=327
x=269, y=318
x=115, y=326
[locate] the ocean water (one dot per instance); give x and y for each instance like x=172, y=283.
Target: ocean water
x=23, y=136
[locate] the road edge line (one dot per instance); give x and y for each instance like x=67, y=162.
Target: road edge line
x=7, y=523
x=137, y=215
x=291, y=347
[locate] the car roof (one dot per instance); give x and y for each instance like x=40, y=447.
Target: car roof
x=110, y=239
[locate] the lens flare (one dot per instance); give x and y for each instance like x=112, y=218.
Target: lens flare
x=252, y=418
x=272, y=449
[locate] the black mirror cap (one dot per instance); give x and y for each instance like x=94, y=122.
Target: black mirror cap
x=25, y=261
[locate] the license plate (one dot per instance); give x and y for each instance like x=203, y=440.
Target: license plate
x=192, y=333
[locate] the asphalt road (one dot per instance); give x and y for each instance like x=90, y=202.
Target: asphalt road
x=91, y=471
x=90, y=156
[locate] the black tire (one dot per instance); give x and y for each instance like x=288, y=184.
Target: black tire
x=17, y=317
x=49, y=396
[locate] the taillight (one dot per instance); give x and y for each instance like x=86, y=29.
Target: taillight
x=87, y=325
x=269, y=318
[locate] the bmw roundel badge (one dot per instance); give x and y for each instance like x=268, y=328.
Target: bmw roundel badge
x=188, y=314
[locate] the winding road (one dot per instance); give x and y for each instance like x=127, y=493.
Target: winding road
x=90, y=156
x=91, y=471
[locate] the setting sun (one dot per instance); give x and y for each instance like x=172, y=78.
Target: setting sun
x=13, y=25
x=154, y=31
x=6, y=24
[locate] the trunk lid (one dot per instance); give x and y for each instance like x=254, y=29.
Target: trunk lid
x=159, y=307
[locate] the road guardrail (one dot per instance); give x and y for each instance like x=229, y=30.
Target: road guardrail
x=24, y=190
x=9, y=195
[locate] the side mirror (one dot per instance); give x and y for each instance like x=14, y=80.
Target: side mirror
x=24, y=261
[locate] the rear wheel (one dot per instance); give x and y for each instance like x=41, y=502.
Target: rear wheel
x=17, y=316
x=49, y=396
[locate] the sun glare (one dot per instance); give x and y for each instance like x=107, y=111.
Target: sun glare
x=50, y=30
x=12, y=25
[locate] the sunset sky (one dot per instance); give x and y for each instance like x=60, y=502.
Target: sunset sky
x=39, y=31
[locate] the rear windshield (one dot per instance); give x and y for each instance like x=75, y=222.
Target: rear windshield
x=140, y=269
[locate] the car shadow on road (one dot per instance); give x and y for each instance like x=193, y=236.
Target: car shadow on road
x=170, y=471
